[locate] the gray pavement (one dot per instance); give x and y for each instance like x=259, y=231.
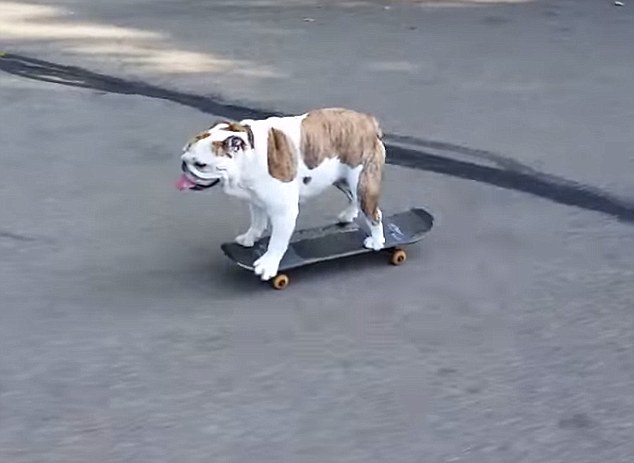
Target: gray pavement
x=125, y=335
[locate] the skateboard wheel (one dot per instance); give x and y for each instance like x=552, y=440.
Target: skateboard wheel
x=280, y=281
x=398, y=257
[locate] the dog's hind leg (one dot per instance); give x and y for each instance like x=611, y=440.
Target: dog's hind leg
x=348, y=186
x=369, y=192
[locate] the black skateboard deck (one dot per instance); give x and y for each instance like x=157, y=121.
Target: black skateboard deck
x=318, y=244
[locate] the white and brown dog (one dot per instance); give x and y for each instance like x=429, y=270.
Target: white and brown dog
x=278, y=162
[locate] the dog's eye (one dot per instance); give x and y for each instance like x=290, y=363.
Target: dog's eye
x=235, y=143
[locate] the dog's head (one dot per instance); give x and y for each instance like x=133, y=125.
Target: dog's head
x=212, y=155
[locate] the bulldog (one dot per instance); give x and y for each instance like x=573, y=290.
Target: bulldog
x=277, y=163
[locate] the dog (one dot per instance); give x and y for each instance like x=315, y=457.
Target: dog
x=277, y=163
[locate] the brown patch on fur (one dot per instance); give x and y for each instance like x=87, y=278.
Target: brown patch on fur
x=217, y=122
x=369, y=187
x=281, y=159
x=352, y=136
x=234, y=126
x=237, y=127
x=198, y=137
x=219, y=148
x=201, y=136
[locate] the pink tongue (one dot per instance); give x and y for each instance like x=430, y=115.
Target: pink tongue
x=183, y=183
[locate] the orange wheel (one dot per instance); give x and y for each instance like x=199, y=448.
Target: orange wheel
x=280, y=281
x=398, y=257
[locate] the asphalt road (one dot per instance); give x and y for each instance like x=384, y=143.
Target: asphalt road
x=126, y=336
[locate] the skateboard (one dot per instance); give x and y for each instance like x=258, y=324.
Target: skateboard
x=329, y=242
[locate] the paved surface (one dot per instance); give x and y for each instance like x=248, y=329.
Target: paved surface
x=125, y=336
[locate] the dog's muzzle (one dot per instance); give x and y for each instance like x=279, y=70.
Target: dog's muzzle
x=185, y=181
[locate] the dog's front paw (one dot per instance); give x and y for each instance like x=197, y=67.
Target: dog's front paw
x=374, y=243
x=266, y=266
x=246, y=239
x=348, y=215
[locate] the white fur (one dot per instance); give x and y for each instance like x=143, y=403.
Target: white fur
x=272, y=201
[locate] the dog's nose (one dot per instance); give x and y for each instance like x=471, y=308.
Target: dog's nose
x=199, y=165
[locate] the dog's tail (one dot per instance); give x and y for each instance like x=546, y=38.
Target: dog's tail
x=377, y=128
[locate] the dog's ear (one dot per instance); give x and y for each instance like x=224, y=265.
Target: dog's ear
x=282, y=163
x=250, y=136
x=234, y=144
x=218, y=122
